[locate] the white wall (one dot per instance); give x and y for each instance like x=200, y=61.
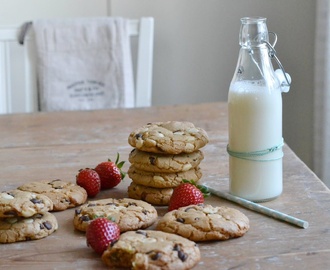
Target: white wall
x=196, y=47
x=18, y=11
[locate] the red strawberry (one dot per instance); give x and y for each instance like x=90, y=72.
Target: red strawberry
x=110, y=173
x=100, y=233
x=89, y=180
x=186, y=194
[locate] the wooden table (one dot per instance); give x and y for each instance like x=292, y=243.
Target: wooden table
x=56, y=145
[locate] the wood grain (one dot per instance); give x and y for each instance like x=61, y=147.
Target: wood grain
x=56, y=145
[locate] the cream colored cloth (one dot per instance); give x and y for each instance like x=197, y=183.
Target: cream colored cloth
x=84, y=64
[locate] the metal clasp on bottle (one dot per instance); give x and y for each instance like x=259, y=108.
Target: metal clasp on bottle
x=283, y=77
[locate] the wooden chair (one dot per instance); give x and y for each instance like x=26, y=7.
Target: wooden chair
x=18, y=80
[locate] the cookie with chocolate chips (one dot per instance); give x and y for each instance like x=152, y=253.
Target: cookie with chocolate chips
x=63, y=194
x=162, y=180
x=17, y=203
x=129, y=214
x=172, y=137
x=15, y=229
x=164, y=163
x=146, y=249
x=205, y=222
x=155, y=196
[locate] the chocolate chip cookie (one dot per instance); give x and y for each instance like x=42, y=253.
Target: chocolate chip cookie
x=162, y=180
x=17, y=203
x=129, y=214
x=146, y=249
x=205, y=222
x=172, y=137
x=63, y=194
x=155, y=196
x=155, y=162
x=17, y=229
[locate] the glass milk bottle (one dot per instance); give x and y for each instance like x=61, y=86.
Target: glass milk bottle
x=255, y=116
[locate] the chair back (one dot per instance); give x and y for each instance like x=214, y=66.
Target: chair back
x=18, y=72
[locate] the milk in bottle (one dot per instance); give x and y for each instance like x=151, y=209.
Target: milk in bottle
x=255, y=118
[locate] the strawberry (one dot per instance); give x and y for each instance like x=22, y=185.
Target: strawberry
x=89, y=180
x=100, y=233
x=110, y=173
x=187, y=193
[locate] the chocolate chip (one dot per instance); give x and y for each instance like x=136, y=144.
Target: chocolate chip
x=112, y=204
x=138, y=136
x=141, y=232
x=10, y=213
x=182, y=256
x=145, y=212
x=91, y=205
x=152, y=160
x=84, y=218
x=77, y=211
x=176, y=247
x=155, y=255
x=132, y=203
x=188, y=208
x=36, y=201
x=181, y=220
x=48, y=225
x=65, y=201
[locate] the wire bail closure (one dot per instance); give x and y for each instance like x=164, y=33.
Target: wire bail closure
x=272, y=55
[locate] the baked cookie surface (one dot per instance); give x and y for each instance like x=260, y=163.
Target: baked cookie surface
x=64, y=194
x=17, y=203
x=146, y=249
x=17, y=229
x=129, y=214
x=155, y=162
x=162, y=180
x=172, y=137
x=155, y=196
x=205, y=222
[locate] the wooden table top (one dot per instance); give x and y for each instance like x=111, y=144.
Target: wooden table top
x=48, y=146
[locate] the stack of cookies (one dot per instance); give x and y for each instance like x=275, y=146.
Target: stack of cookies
x=164, y=154
x=24, y=216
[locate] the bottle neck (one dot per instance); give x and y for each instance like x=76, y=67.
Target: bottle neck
x=254, y=63
x=253, y=32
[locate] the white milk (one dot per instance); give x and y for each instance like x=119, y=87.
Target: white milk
x=255, y=124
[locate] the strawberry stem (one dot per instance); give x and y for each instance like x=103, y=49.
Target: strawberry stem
x=119, y=166
x=202, y=188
